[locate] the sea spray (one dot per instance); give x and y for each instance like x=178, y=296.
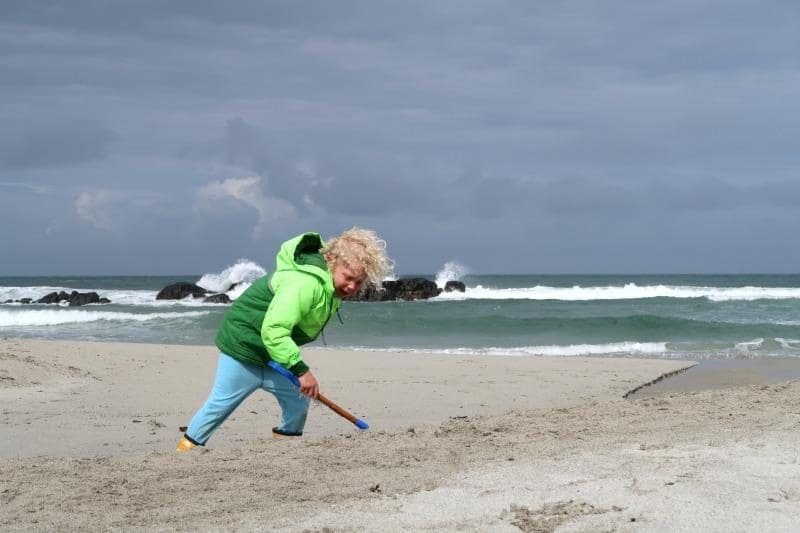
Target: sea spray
x=451, y=271
x=241, y=274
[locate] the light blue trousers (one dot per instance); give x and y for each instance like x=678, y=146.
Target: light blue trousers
x=234, y=382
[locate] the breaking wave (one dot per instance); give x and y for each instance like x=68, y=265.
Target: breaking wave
x=451, y=271
x=630, y=291
x=55, y=317
x=574, y=350
x=239, y=276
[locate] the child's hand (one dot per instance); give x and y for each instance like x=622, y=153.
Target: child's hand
x=309, y=385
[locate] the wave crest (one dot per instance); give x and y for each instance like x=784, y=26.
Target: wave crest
x=242, y=274
x=572, y=350
x=55, y=317
x=630, y=291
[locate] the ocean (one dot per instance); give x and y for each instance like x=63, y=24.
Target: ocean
x=659, y=316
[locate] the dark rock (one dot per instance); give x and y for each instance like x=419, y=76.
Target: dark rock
x=26, y=300
x=412, y=288
x=83, y=298
x=51, y=298
x=220, y=298
x=451, y=286
x=180, y=290
x=8, y=302
x=371, y=294
x=75, y=298
x=401, y=289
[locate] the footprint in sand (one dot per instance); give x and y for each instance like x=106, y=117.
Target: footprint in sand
x=551, y=515
x=785, y=495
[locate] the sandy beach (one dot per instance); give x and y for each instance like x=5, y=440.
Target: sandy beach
x=456, y=443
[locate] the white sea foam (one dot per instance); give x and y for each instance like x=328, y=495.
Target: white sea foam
x=52, y=317
x=243, y=271
x=749, y=346
x=148, y=298
x=17, y=293
x=789, y=344
x=572, y=350
x=117, y=296
x=451, y=271
x=629, y=291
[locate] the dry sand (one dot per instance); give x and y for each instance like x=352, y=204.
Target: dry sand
x=458, y=443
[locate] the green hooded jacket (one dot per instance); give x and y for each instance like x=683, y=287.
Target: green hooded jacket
x=282, y=311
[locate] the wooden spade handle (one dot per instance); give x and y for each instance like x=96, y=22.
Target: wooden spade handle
x=360, y=424
x=336, y=409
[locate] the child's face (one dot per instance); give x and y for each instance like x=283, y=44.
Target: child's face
x=347, y=280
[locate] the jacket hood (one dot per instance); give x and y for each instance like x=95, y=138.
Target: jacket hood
x=303, y=253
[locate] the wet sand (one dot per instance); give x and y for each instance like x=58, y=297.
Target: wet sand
x=725, y=373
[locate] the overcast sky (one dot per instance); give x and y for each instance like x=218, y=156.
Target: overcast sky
x=151, y=137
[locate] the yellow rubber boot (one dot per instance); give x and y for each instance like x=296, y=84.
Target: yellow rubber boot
x=185, y=445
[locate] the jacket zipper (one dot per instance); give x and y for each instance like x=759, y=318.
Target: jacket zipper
x=322, y=329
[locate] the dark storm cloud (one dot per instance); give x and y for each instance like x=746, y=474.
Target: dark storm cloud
x=577, y=123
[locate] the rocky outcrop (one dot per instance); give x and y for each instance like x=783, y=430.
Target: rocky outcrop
x=451, y=286
x=53, y=298
x=412, y=288
x=74, y=299
x=78, y=298
x=371, y=294
x=184, y=289
x=401, y=289
x=220, y=298
x=180, y=290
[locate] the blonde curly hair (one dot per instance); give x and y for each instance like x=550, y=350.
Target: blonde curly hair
x=359, y=249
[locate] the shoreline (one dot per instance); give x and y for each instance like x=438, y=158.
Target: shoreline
x=67, y=398
x=712, y=374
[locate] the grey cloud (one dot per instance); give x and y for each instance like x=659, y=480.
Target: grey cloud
x=353, y=185
x=475, y=122
x=626, y=201
x=358, y=184
x=244, y=143
x=38, y=189
x=54, y=143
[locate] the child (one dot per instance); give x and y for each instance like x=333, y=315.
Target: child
x=275, y=315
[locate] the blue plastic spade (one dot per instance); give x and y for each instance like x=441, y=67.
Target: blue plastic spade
x=360, y=424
